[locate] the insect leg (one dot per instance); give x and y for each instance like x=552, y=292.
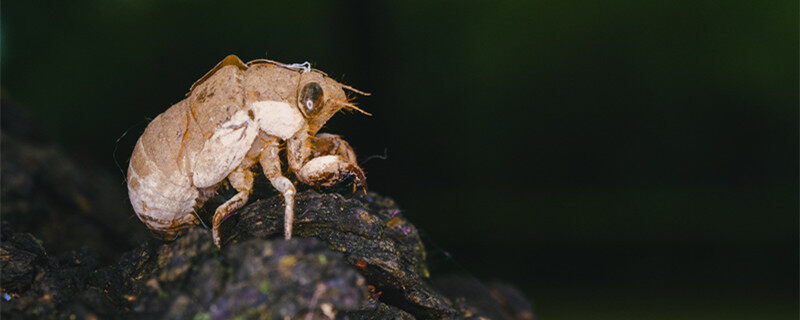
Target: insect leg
x=333, y=161
x=331, y=144
x=271, y=164
x=241, y=179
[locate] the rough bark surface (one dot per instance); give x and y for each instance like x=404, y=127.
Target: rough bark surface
x=354, y=256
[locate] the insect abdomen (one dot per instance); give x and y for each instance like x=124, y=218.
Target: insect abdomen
x=160, y=190
x=167, y=166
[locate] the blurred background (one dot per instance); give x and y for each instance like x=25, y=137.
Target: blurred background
x=613, y=159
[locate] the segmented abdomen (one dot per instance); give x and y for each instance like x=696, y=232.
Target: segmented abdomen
x=167, y=167
x=159, y=182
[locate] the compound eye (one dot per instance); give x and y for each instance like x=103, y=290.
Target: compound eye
x=311, y=98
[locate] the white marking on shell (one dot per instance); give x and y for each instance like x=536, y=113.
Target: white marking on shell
x=159, y=189
x=321, y=164
x=225, y=150
x=278, y=118
x=176, y=178
x=160, y=200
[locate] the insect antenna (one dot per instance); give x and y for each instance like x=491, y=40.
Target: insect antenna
x=355, y=90
x=351, y=106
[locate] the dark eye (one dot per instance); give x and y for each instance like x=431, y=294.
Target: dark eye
x=311, y=98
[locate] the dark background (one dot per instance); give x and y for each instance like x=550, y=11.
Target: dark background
x=613, y=159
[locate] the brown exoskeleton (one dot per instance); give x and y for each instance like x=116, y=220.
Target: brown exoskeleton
x=236, y=115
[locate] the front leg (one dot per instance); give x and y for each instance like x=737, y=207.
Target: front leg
x=327, y=144
x=333, y=160
x=271, y=164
